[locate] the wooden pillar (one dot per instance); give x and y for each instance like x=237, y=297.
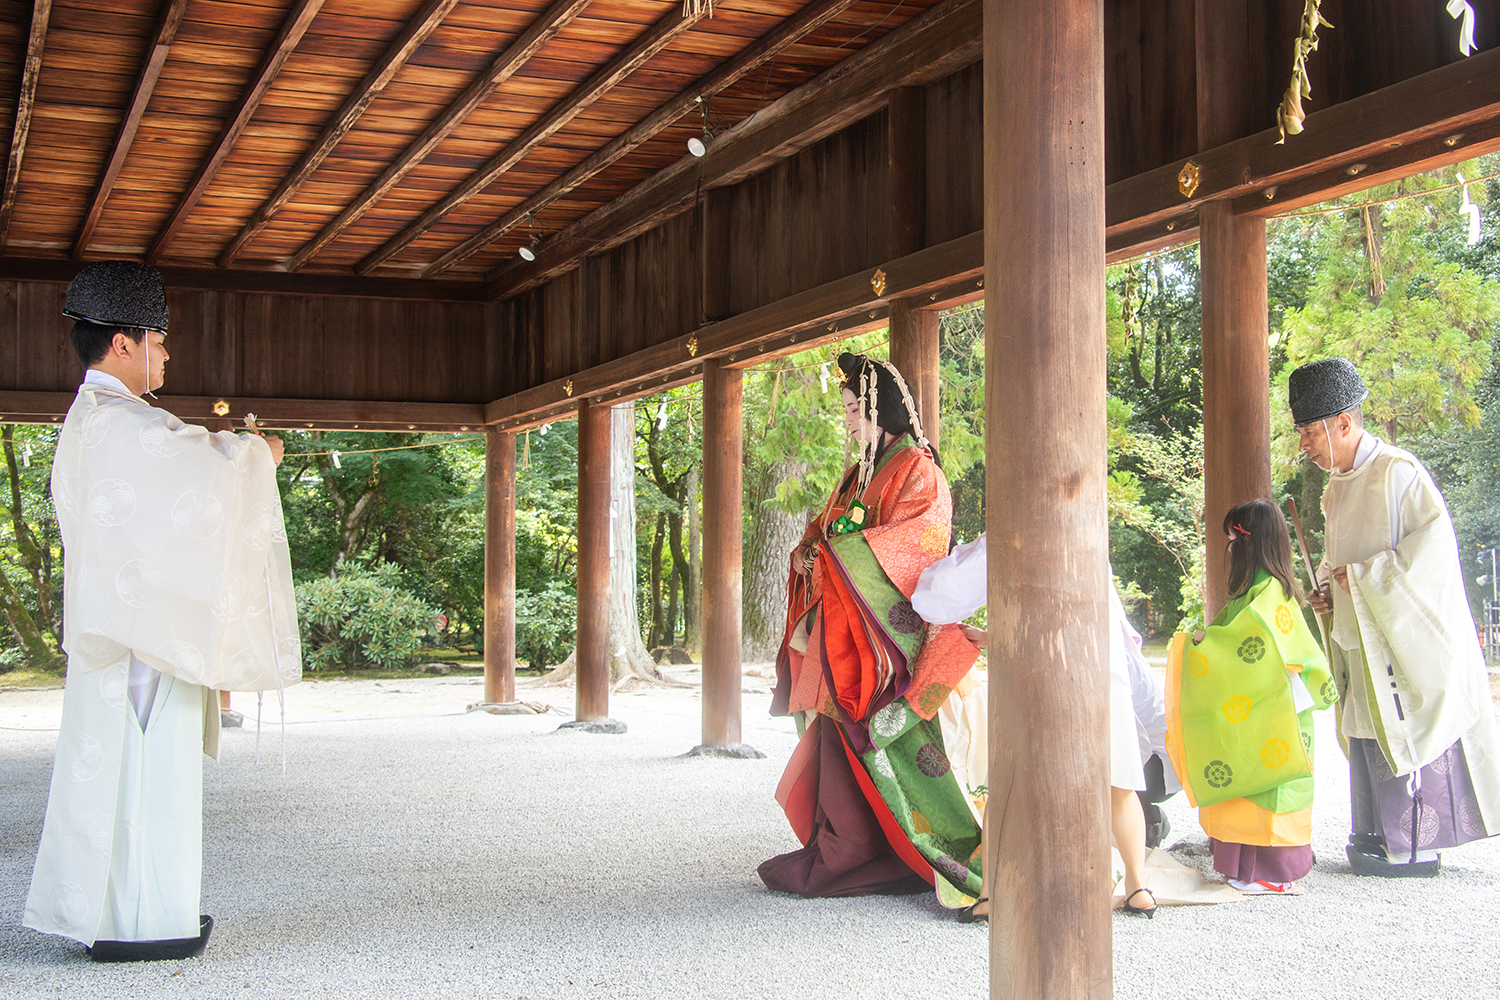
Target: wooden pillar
x=914, y=352
x=723, y=488
x=593, y=562
x=1235, y=327
x=499, y=567
x=1047, y=823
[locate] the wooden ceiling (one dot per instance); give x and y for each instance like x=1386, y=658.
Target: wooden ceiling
x=387, y=138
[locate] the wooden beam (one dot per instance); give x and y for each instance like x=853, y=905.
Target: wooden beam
x=592, y=644
x=345, y=285
x=298, y=20
x=499, y=568
x=929, y=47
x=723, y=488
x=516, y=55
x=289, y=414
x=758, y=53
x=715, y=257
x=656, y=38
x=914, y=352
x=145, y=86
x=793, y=323
x=906, y=158
x=1047, y=821
x=422, y=24
x=1236, y=379
x=41, y=12
x=1444, y=115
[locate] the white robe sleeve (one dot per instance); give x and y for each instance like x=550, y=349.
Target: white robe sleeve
x=956, y=586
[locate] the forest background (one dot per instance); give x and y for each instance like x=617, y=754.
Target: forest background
x=387, y=530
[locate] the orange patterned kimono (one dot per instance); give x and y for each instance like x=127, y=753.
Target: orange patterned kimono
x=870, y=790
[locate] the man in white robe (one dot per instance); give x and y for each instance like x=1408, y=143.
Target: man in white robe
x=1415, y=714
x=177, y=582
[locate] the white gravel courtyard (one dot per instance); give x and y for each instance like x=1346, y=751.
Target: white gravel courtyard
x=416, y=850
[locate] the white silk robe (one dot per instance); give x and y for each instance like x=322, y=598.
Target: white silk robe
x=176, y=554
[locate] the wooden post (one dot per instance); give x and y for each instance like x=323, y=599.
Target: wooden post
x=593, y=563
x=1047, y=829
x=914, y=352
x=723, y=488
x=1236, y=325
x=499, y=567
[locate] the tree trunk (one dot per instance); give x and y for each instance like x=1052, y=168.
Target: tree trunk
x=679, y=582
x=628, y=657
x=40, y=653
x=656, y=611
x=34, y=554
x=693, y=611
x=773, y=535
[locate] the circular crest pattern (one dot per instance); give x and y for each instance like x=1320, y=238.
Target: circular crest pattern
x=890, y=721
x=882, y=763
x=935, y=540
x=261, y=527
x=197, y=514
x=141, y=583
x=88, y=759
x=1275, y=753
x=113, y=687
x=1427, y=825
x=95, y=428
x=1252, y=649
x=956, y=869
x=1237, y=709
x=99, y=646
x=111, y=502
x=1197, y=664
x=102, y=835
x=1470, y=819
x=1330, y=691
x=156, y=441
x=72, y=903
x=932, y=762
x=904, y=618
x=1284, y=619
x=184, y=656
x=1218, y=774
x=919, y=823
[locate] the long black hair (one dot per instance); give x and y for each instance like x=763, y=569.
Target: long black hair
x=890, y=404
x=1258, y=540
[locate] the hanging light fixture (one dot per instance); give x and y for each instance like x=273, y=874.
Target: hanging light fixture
x=698, y=146
x=528, y=250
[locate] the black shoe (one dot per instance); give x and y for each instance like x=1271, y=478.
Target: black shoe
x=1158, y=826
x=967, y=915
x=1149, y=912
x=171, y=949
x=1379, y=866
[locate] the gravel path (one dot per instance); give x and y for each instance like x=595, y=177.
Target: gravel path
x=413, y=850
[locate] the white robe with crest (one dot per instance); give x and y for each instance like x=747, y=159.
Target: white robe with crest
x=176, y=555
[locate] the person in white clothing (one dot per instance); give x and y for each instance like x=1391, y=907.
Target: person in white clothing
x=177, y=582
x=1415, y=714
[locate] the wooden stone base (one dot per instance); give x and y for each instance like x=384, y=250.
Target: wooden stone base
x=738, y=751
x=609, y=726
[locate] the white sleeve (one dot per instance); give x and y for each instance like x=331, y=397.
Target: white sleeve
x=956, y=586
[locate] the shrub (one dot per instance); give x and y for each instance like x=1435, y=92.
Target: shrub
x=544, y=624
x=362, y=616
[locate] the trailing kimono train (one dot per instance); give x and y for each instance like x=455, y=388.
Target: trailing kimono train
x=176, y=557
x=887, y=786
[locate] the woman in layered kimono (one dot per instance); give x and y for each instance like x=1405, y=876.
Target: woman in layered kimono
x=887, y=784
x=1240, y=698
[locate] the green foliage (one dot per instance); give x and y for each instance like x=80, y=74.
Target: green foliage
x=362, y=616
x=545, y=624
x=30, y=553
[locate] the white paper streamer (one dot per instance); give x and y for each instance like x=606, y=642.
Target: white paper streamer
x=1470, y=211
x=336, y=463
x=1462, y=9
x=823, y=376
x=661, y=417
x=26, y=456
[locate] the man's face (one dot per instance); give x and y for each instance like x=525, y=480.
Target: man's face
x=1321, y=440
x=137, y=352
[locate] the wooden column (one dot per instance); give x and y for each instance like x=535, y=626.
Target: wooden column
x=499, y=567
x=723, y=488
x=593, y=563
x=1047, y=824
x=1235, y=327
x=914, y=352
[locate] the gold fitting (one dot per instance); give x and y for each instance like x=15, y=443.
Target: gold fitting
x=1171, y=226
x=1188, y=178
x=1453, y=140
x=568, y=387
x=1355, y=170
x=692, y=346
x=877, y=282
x=1271, y=192
x=221, y=408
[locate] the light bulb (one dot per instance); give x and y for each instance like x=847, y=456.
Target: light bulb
x=527, y=253
x=696, y=146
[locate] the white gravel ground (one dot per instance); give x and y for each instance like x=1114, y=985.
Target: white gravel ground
x=413, y=850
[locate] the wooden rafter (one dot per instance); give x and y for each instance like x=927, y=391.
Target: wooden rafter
x=145, y=85
x=300, y=414
x=41, y=12
x=297, y=22
x=502, y=69
x=656, y=38
x=758, y=54
x=406, y=44
x=938, y=42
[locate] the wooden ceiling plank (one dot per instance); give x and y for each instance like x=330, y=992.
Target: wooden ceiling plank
x=401, y=50
x=41, y=12
x=298, y=20
x=813, y=16
x=150, y=72
x=627, y=62
x=941, y=41
x=516, y=55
